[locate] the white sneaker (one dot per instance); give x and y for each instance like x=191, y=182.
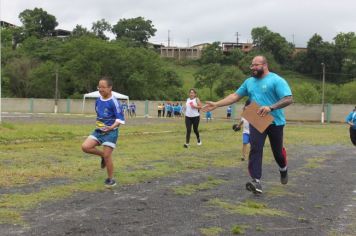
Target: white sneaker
x=199, y=143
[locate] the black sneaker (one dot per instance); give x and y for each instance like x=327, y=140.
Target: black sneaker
x=284, y=176
x=110, y=182
x=243, y=159
x=102, y=164
x=254, y=186
x=186, y=145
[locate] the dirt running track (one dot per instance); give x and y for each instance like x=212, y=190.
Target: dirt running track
x=319, y=201
x=322, y=200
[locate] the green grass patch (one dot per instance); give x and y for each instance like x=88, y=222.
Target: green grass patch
x=43, y=153
x=259, y=228
x=190, y=189
x=211, y=231
x=239, y=229
x=279, y=191
x=316, y=134
x=10, y=217
x=315, y=163
x=249, y=208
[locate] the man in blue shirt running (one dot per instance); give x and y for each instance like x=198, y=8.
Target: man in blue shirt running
x=109, y=117
x=272, y=93
x=351, y=120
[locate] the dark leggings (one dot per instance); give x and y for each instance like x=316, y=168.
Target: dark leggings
x=353, y=135
x=257, y=141
x=189, y=121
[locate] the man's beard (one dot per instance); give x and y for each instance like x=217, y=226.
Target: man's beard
x=257, y=73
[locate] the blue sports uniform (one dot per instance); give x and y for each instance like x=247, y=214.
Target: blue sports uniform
x=108, y=112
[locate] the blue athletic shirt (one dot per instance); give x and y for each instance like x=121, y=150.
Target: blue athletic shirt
x=352, y=118
x=266, y=92
x=108, y=111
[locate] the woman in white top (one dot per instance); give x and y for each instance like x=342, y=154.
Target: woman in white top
x=192, y=116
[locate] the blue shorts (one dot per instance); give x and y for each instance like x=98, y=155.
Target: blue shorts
x=106, y=138
x=245, y=138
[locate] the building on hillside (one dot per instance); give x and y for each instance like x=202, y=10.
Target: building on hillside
x=61, y=33
x=298, y=50
x=201, y=46
x=229, y=46
x=180, y=53
x=5, y=24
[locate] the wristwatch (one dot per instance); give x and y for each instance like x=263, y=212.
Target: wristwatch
x=271, y=108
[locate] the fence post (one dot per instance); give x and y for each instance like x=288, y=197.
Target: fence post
x=328, y=113
x=146, y=108
x=68, y=105
x=31, y=105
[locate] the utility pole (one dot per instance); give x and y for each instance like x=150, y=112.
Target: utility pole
x=56, y=93
x=169, y=38
x=237, y=39
x=322, y=95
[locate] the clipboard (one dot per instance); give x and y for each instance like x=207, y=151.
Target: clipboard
x=259, y=122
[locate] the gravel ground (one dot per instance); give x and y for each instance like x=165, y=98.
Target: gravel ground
x=318, y=200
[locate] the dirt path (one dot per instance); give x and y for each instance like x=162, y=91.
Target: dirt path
x=320, y=198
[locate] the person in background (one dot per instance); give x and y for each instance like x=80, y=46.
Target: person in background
x=192, y=117
x=208, y=116
x=245, y=133
x=163, y=110
x=159, y=109
x=228, y=112
x=132, y=108
x=351, y=121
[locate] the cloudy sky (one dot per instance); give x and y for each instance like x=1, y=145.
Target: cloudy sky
x=197, y=21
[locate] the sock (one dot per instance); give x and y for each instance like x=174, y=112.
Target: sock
x=283, y=169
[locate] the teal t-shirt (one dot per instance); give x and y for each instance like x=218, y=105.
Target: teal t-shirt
x=265, y=92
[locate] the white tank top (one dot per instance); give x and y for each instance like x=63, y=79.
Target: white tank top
x=189, y=111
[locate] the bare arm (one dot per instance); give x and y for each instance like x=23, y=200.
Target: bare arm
x=230, y=99
x=199, y=104
x=285, y=101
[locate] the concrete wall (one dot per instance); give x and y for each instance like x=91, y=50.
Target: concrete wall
x=298, y=112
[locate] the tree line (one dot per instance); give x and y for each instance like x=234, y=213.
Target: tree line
x=223, y=72
x=32, y=56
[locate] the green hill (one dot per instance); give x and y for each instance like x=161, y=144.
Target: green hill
x=186, y=73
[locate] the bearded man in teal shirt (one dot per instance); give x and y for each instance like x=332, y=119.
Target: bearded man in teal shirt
x=272, y=93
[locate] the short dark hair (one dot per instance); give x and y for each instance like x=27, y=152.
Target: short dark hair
x=108, y=80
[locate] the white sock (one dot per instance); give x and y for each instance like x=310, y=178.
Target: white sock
x=283, y=169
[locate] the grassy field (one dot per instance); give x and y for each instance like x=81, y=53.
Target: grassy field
x=49, y=156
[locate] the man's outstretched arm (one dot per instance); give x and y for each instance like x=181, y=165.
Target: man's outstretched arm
x=230, y=99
